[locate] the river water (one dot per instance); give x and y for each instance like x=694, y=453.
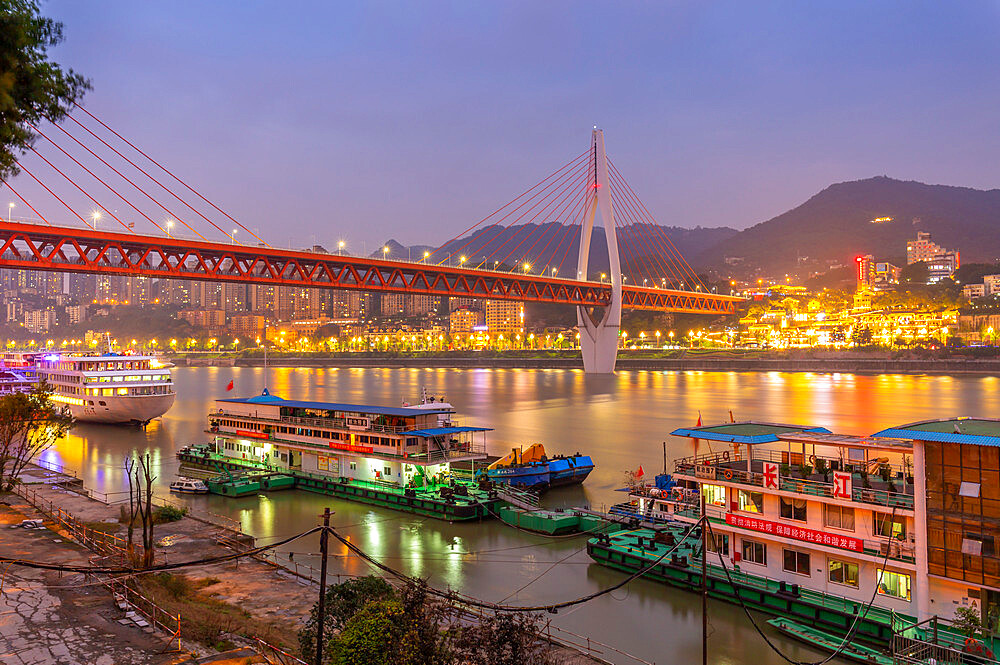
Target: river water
x=621, y=421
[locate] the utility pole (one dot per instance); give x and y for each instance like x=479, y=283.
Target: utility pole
x=704, y=582
x=664, y=457
x=321, y=610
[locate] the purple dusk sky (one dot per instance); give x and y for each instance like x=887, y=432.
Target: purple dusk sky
x=316, y=121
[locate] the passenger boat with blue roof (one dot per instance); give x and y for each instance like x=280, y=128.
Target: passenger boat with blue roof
x=398, y=457
x=883, y=538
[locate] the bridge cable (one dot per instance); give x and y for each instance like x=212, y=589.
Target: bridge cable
x=566, y=184
x=632, y=228
x=658, y=230
x=165, y=170
x=67, y=206
x=501, y=208
x=82, y=190
x=25, y=202
x=572, y=164
x=561, y=204
x=121, y=175
x=674, y=272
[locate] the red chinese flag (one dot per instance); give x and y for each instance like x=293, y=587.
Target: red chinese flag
x=640, y=473
x=229, y=386
x=699, y=420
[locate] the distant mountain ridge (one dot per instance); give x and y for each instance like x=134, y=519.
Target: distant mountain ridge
x=837, y=224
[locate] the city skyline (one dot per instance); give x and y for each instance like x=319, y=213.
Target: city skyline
x=394, y=122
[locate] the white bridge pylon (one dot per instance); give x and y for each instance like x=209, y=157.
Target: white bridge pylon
x=599, y=339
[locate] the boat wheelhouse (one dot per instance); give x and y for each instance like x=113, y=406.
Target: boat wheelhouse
x=108, y=388
x=406, y=447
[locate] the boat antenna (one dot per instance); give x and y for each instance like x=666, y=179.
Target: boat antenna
x=265, y=355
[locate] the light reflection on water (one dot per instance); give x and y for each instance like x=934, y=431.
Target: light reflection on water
x=620, y=420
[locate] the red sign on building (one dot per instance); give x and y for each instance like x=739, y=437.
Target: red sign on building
x=349, y=447
x=795, y=532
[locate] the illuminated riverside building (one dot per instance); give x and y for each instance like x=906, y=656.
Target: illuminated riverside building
x=909, y=515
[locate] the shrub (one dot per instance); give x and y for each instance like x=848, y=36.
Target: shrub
x=165, y=514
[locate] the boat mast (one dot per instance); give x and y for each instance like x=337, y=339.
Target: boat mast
x=704, y=580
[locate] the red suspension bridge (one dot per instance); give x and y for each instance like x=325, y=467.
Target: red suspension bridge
x=526, y=247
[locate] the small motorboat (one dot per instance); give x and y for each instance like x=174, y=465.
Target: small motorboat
x=189, y=486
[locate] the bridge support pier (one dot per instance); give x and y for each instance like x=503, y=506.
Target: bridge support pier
x=599, y=336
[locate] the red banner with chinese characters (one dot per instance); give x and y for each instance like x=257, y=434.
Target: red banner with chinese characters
x=795, y=532
x=349, y=447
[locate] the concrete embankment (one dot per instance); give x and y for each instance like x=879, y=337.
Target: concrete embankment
x=821, y=365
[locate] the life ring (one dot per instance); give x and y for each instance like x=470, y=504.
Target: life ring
x=812, y=460
x=728, y=473
x=725, y=455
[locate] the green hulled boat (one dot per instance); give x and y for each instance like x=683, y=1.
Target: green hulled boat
x=827, y=642
x=555, y=522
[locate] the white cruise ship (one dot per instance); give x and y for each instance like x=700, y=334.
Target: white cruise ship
x=108, y=388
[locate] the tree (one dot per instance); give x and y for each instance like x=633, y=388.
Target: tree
x=140, y=500
x=504, y=639
x=29, y=424
x=32, y=87
x=343, y=601
x=914, y=273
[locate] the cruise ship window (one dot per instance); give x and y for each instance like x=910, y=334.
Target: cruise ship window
x=793, y=509
x=795, y=562
x=838, y=517
x=843, y=572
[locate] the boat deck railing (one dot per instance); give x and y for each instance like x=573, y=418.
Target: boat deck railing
x=737, y=471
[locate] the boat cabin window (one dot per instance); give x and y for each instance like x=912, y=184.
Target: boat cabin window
x=795, y=562
x=889, y=527
x=793, y=509
x=715, y=495
x=719, y=543
x=893, y=584
x=838, y=517
x=844, y=572
x=751, y=502
x=754, y=552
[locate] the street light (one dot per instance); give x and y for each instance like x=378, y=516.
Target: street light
x=385, y=251
x=340, y=247
x=554, y=271
x=95, y=216
x=426, y=254
x=462, y=260
x=602, y=277
x=170, y=225
x=233, y=236
x=527, y=267
x=10, y=206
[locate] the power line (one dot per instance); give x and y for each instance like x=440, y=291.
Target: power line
x=454, y=597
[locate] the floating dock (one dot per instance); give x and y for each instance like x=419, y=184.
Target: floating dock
x=456, y=502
